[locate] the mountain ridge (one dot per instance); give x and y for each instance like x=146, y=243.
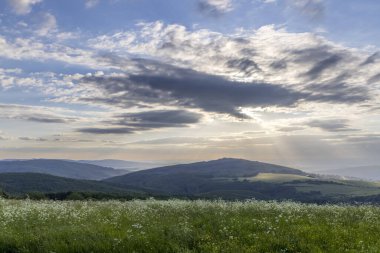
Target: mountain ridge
x=222, y=165
x=62, y=168
x=200, y=178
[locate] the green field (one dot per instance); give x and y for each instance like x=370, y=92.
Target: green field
x=186, y=226
x=340, y=188
x=278, y=178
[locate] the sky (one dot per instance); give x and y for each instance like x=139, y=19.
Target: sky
x=292, y=82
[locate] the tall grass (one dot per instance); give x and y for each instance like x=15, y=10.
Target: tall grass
x=186, y=226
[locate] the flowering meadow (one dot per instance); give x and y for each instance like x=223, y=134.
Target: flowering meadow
x=186, y=226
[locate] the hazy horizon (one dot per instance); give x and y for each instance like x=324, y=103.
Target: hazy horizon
x=159, y=163
x=290, y=82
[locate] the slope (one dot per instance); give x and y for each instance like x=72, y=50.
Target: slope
x=60, y=168
x=18, y=183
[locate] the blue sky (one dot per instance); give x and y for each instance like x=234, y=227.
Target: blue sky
x=286, y=81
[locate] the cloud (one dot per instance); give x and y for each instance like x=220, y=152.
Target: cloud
x=332, y=125
x=371, y=59
x=33, y=114
x=2, y=136
x=323, y=65
x=267, y=55
x=163, y=84
x=129, y=123
x=374, y=79
x=215, y=7
x=32, y=139
x=47, y=25
x=290, y=128
x=107, y=130
x=42, y=119
x=313, y=9
x=364, y=138
x=22, y=7
x=174, y=141
x=36, y=49
x=214, y=72
x=297, y=61
x=159, y=119
x=169, y=85
x=339, y=92
x=91, y=3
x=244, y=65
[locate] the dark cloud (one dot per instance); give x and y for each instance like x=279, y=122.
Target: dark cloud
x=129, y=123
x=244, y=65
x=371, y=59
x=281, y=64
x=326, y=59
x=183, y=87
x=374, y=79
x=44, y=119
x=323, y=58
x=323, y=65
x=312, y=9
x=214, y=7
x=107, y=130
x=338, y=92
x=332, y=125
x=159, y=119
x=163, y=84
x=314, y=54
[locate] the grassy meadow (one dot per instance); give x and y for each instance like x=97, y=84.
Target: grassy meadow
x=186, y=226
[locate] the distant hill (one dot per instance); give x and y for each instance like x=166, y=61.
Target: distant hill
x=18, y=183
x=60, y=168
x=225, y=167
x=371, y=173
x=121, y=164
x=223, y=177
x=241, y=179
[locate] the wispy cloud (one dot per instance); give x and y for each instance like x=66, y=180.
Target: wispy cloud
x=313, y=9
x=47, y=24
x=2, y=136
x=22, y=7
x=147, y=120
x=91, y=3
x=215, y=7
x=32, y=139
x=34, y=114
x=332, y=125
